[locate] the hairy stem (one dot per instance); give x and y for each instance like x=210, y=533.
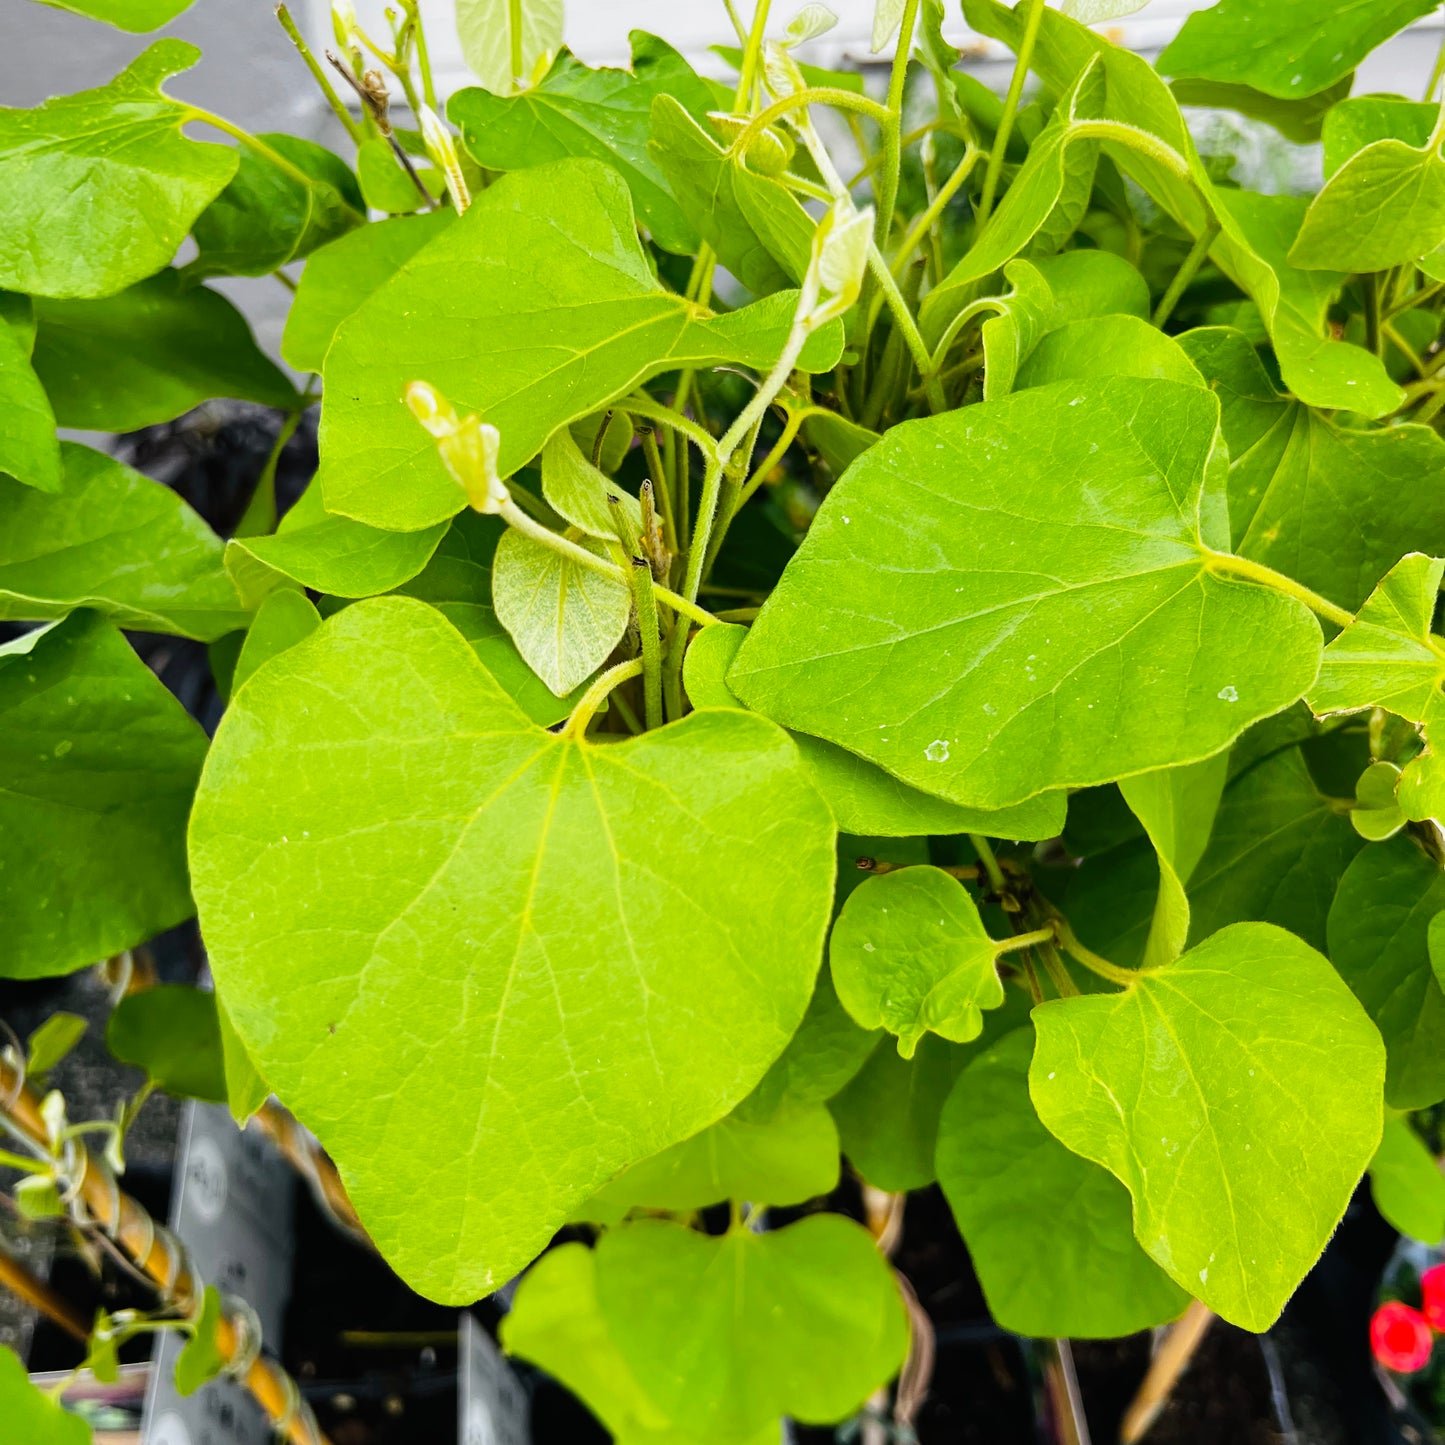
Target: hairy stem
x=587, y=705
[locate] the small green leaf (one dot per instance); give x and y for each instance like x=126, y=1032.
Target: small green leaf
x=1031, y=606
x=583, y=496
x=101, y=187
x=708, y=1326
x=29, y=451
x=327, y=553
x=1245, y=1063
x=52, y=1041
x=98, y=763
x=38, y=1197
x=1376, y=814
x=149, y=354
x=910, y=954
x=1407, y=1185
x=172, y=1033
x=102, y=1356
x=115, y=541
x=564, y=617
x=31, y=1414
x=1379, y=930
x=863, y=798
x=503, y=41
x=547, y=265
x=276, y=211
x=136, y=16
x=1286, y=458
x=342, y=274
x=788, y=1159
x=602, y=114
x=477, y=864
x=200, y=1359
x=1289, y=48
x=1049, y=1233
x=246, y=1090
x=1177, y=808
x=285, y=618
x=758, y=229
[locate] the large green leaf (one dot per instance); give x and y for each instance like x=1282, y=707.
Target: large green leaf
x=328, y=554
x=910, y=954
x=29, y=451
x=116, y=541
x=546, y=264
x=98, y=763
x=1257, y=231
x=708, y=1326
x=603, y=114
x=504, y=40
x=343, y=273
x=564, y=617
x=149, y=354
x=133, y=15
x=1049, y=1233
x=1246, y=1064
x=1288, y=48
x=557, y=1323
x=100, y=188
x=787, y=1159
x=173, y=1033
x=1107, y=346
x=1379, y=941
x=754, y=224
x=864, y=799
x=272, y=213
x=1407, y=1185
x=1304, y=491
x=1301, y=121
x=30, y=1414
x=1030, y=605
x=526, y=901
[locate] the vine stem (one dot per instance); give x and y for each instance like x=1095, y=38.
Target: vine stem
x=40, y=1296
x=946, y=193
x=1010, y=109
x=287, y=168
x=988, y=859
x=1094, y=962
x=1185, y=275
x=514, y=516
x=646, y=604
x=814, y=95
x=747, y=74
x=581, y=716
x=318, y=74
x=1023, y=940
x=1228, y=564
x=891, y=147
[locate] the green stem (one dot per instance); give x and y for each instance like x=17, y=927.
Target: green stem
x=1023, y=940
x=1124, y=977
x=907, y=327
x=646, y=604
x=514, y=38
x=989, y=861
x=1184, y=276
x=1010, y=109
x=245, y=137
x=576, y=725
x=924, y=224
x=1136, y=139
x=791, y=428
x=891, y=146
x=799, y=100
x=1226, y=563
x=318, y=74
x=662, y=486
x=423, y=59
x=1437, y=73
x=259, y=518
x=1057, y=971
x=752, y=52
x=641, y=405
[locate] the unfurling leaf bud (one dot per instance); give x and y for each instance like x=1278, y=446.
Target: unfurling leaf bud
x=809, y=23
x=468, y=447
x=443, y=150
x=839, y=261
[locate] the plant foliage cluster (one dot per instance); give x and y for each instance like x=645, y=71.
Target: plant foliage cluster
x=915, y=646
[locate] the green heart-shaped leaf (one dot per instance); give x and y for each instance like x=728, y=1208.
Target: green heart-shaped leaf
x=1245, y=1063
x=1048, y=1232
x=1030, y=605
x=401, y=877
x=1407, y=1185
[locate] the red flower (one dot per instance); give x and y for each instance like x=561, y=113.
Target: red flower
x=1432, y=1289
x=1401, y=1338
